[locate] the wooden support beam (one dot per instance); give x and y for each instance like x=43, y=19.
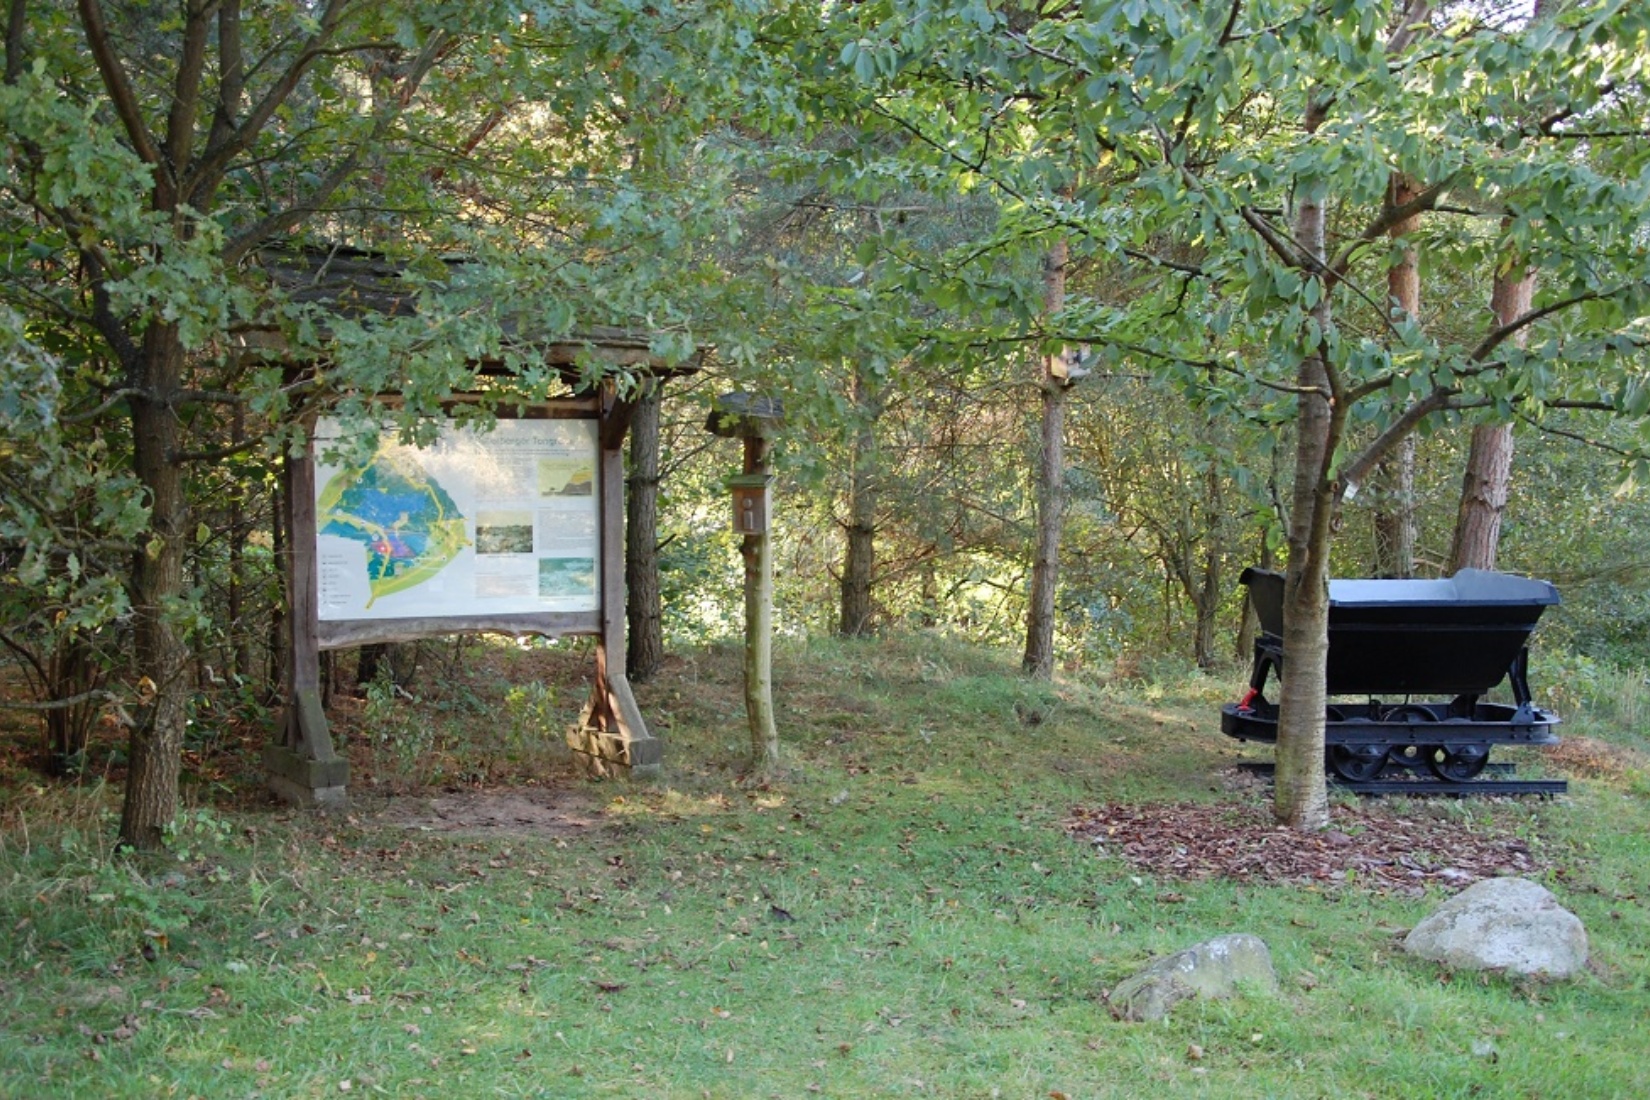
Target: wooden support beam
x=612, y=737
x=302, y=765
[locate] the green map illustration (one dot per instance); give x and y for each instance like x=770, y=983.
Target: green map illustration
x=409, y=524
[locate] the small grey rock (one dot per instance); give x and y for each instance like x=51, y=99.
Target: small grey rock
x=1215, y=968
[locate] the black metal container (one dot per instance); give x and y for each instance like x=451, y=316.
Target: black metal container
x=1453, y=635
x=1458, y=636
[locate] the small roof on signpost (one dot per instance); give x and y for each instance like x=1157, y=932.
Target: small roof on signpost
x=741, y=415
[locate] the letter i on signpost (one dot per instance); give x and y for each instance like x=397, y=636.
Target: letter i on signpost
x=754, y=420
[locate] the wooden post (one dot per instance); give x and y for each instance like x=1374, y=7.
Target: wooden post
x=754, y=420
x=611, y=737
x=301, y=765
x=759, y=624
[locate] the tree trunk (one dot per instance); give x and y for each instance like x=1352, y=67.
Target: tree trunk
x=859, y=560
x=757, y=551
x=1051, y=475
x=368, y=660
x=1483, y=498
x=1248, y=621
x=1489, y=461
x=1206, y=594
x=930, y=616
x=158, y=646
x=240, y=641
x=1394, y=481
x=1394, y=518
x=644, y=613
x=275, y=648
x=1300, y=795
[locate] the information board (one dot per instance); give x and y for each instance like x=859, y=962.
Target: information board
x=477, y=524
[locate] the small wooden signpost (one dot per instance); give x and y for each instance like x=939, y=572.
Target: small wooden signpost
x=754, y=419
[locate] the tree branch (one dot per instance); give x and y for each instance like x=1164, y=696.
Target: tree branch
x=231, y=73
x=16, y=23
x=1424, y=200
x=113, y=398
x=119, y=87
x=217, y=454
x=1353, y=473
x=216, y=159
x=1494, y=338
x=96, y=695
x=439, y=43
x=186, y=89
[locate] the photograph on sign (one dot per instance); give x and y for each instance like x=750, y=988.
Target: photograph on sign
x=478, y=523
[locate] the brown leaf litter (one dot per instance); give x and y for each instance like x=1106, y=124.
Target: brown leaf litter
x=1382, y=847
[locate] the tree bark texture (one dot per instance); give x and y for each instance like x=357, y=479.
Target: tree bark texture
x=1206, y=593
x=159, y=649
x=644, y=611
x=1038, y=662
x=1484, y=484
x=859, y=557
x=757, y=551
x=1483, y=498
x=1300, y=793
x=1488, y=474
x=1394, y=518
x=1394, y=481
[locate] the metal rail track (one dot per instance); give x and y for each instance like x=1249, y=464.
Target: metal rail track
x=1429, y=788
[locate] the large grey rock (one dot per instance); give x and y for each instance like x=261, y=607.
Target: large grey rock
x=1212, y=969
x=1509, y=924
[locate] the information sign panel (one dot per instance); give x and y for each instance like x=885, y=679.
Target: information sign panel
x=480, y=523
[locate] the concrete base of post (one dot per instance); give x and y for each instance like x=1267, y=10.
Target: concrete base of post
x=313, y=784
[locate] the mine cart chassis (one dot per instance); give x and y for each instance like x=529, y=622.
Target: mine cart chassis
x=1386, y=746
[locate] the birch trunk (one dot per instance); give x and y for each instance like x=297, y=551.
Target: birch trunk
x=1300, y=794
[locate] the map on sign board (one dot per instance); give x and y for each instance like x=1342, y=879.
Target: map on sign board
x=478, y=523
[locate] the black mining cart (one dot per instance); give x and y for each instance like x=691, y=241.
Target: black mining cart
x=1393, y=640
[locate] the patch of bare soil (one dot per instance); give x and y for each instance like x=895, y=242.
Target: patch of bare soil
x=518, y=812
x=1371, y=847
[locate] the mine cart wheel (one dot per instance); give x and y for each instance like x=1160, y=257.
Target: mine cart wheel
x=1409, y=756
x=1357, y=763
x=1458, y=763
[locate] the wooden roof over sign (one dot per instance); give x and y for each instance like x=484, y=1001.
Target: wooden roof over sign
x=354, y=283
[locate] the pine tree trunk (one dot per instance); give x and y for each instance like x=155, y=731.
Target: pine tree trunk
x=240, y=641
x=1394, y=518
x=1484, y=485
x=1483, y=498
x=644, y=611
x=1038, y=662
x=1489, y=461
x=859, y=558
x=930, y=616
x=158, y=648
x=1394, y=481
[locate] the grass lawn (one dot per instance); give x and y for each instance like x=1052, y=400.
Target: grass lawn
x=902, y=913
